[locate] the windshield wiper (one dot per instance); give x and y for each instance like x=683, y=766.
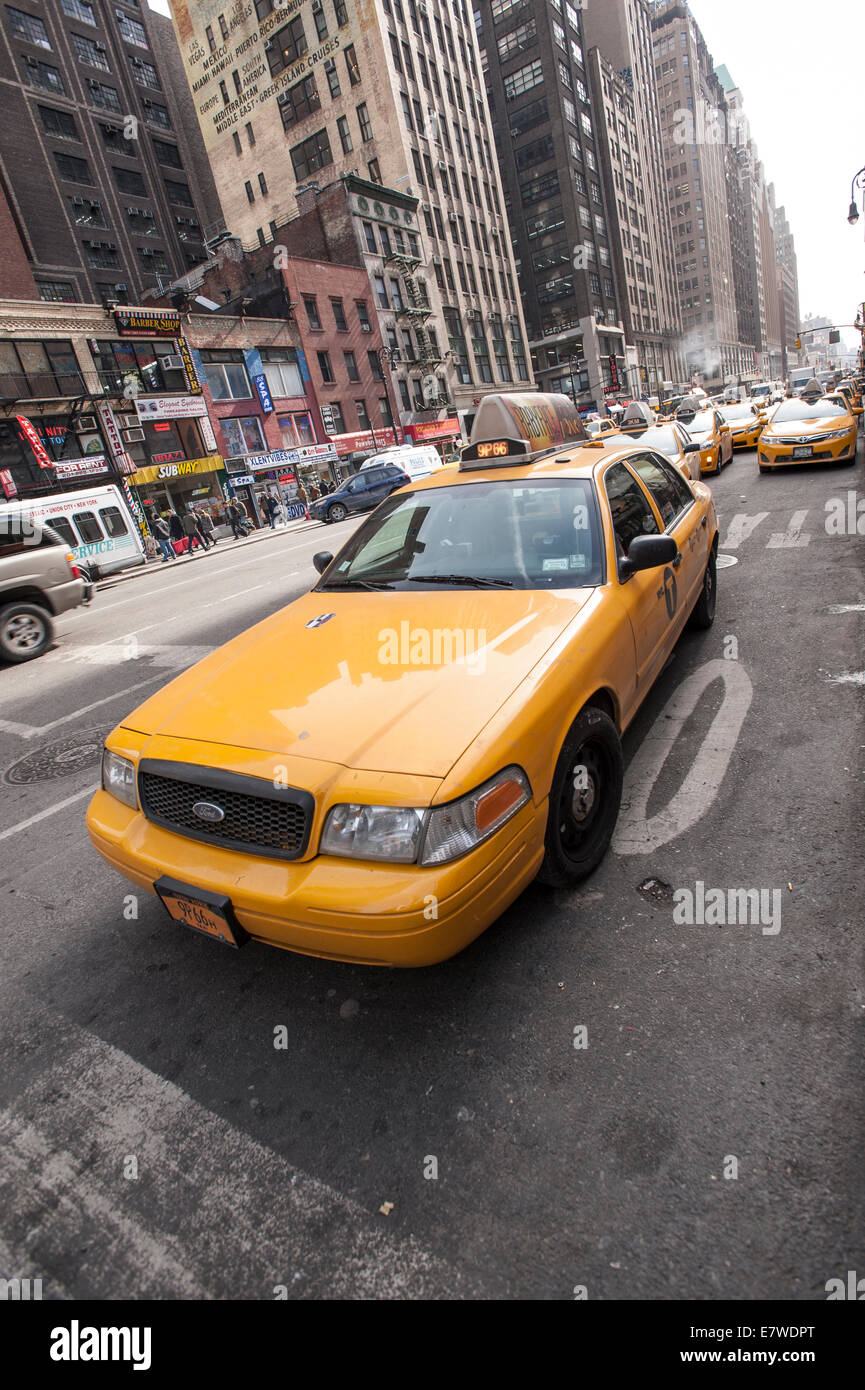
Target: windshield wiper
x=356, y=584
x=471, y=581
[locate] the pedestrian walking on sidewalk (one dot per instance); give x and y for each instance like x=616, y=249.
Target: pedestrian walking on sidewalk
x=191, y=531
x=205, y=527
x=162, y=532
x=175, y=526
x=272, y=507
x=237, y=517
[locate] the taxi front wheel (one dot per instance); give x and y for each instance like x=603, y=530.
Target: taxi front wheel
x=584, y=800
x=703, y=613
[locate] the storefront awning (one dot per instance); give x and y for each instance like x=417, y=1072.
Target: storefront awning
x=163, y=471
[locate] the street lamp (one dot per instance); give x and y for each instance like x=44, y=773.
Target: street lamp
x=858, y=182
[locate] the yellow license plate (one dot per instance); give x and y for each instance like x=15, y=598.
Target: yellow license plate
x=205, y=912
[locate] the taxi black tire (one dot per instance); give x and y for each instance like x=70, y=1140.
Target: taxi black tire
x=571, y=854
x=703, y=612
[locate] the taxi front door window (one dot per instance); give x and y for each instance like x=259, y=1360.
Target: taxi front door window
x=668, y=489
x=629, y=508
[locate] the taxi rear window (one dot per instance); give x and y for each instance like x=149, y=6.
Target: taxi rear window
x=542, y=534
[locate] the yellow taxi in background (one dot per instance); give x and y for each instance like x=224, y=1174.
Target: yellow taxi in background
x=671, y=438
x=377, y=771
x=714, y=436
x=596, y=428
x=746, y=421
x=854, y=398
x=800, y=431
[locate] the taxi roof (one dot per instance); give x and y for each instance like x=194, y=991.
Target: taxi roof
x=582, y=460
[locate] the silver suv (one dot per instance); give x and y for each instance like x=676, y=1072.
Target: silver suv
x=38, y=581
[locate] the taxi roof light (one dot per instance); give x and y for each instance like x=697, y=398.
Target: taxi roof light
x=515, y=428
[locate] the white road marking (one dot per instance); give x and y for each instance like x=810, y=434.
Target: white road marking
x=635, y=833
x=9, y=726
x=212, y=1210
x=846, y=608
x=49, y=811
x=116, y=653
x=85, y=709
x=848, y=678
x=741, y=527
x=792, y=538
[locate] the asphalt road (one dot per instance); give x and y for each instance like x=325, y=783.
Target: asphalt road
x=155, y=1143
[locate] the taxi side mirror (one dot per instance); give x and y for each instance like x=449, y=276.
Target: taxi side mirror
x=692, y=448
x=647, y=553
x=321, y=560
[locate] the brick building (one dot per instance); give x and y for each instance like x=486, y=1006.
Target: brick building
x=101, y=158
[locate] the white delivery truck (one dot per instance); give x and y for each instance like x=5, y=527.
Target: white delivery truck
x=95, y=523
x=417, y=460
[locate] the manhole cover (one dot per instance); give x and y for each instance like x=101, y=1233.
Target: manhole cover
x=61, y=758
x=723, y=562
x=655, y=890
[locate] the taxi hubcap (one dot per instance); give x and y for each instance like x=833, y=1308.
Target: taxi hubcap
x=582, y=800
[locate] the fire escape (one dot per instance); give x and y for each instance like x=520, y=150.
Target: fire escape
x=417, y=311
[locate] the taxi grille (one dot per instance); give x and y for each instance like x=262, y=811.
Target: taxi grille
x=258, y=818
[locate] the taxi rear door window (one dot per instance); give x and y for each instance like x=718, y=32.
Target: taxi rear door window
x=667, y=487
x=631, y=513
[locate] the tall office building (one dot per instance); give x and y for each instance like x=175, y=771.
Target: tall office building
x=788, y=289
x=621, y=30
x=693, y=126
x=101, y=162
x=293, y=96
x=549, y=151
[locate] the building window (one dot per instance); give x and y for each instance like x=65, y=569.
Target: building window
x=374, y=365
x=28, y=28
x=167, y=154
x=374, y=171
x=344, y=135
x=142, y=222
x=238, y=148
x=104, y=96
x=324, y=366
x=332, y=77
x=364, y=122
x=341, y=12
x=250, y=134
x=242, y=436
x=156, y=114
x=320, y=19
x=78, y=9
x=262, y=183
x=226, y=375
x=339, y=315
x=352, y=66
x=101, y=254
x=87, y=212
x=42, y=75
x=59, y=123
x=380, y=292
x=311, y=154
x=57, y=291
x=523, y=80
x=311, y=307
x=144, y=74
x=178, y=193
x=299, y=101
x=130, y=30
x=129, y=181
x=351, y=366
x=286, y=46
x=519, y=39
x=72, y=169
x=282, y=372
x=363, y=415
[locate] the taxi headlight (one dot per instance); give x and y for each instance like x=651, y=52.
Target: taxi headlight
x=460, y=826
x=836, y=434
x=354, y=831
x=118, y=778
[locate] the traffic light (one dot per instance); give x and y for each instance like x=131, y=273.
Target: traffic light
x=798, y=344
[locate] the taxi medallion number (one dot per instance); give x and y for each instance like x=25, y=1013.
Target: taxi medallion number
x=208, y=913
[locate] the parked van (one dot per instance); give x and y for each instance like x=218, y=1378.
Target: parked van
x=418, y=461
x=95, y=524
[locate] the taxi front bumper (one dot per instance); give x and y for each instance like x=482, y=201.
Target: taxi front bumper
x=343, y=909
x=772, y=455
x=747, y=439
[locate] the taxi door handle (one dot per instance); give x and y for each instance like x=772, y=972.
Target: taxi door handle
x=678, y=560
x=705, y=521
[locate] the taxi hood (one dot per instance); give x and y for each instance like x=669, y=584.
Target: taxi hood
x=392, y=682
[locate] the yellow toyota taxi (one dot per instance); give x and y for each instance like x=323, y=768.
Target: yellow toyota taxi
x=668, y=437
x=746, y=421
x=378, y=770
x=800, y=431
x=596, y=428
x=707, y=428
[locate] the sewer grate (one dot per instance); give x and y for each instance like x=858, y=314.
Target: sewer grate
x=60, y=758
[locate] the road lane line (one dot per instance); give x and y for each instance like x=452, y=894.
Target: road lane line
x=85, y=709
x=9, y=726
x=792, y=538
x=49, y=811
x=740, y=528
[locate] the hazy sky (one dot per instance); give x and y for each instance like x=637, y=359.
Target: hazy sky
x=801, y=73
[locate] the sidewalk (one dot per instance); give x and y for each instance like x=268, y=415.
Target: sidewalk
x=225, y=544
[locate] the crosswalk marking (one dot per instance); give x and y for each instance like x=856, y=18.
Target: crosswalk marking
x=741, y=527
x=793, y=538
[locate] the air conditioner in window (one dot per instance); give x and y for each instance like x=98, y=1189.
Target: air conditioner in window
x=317, y=6
x=442, y=164
x=436, y=260
x=171, y=363
x=425, y=207
x=127, y=422
x=366, y=328
x=85, y=423
x=422, y=7
x=135, y=436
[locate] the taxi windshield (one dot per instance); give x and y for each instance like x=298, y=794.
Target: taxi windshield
x=801, y=410
x=520, y=534
x=701, y=423
x=737, y=412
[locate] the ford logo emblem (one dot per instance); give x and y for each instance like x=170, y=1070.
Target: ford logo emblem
x=209, y=811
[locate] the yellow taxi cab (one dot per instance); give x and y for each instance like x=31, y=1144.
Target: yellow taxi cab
x=746, y=420
x=668, y=437
x=708, y=428
x=853, y=395
x=802, y=431
x=597, y=428
x=377, y=771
